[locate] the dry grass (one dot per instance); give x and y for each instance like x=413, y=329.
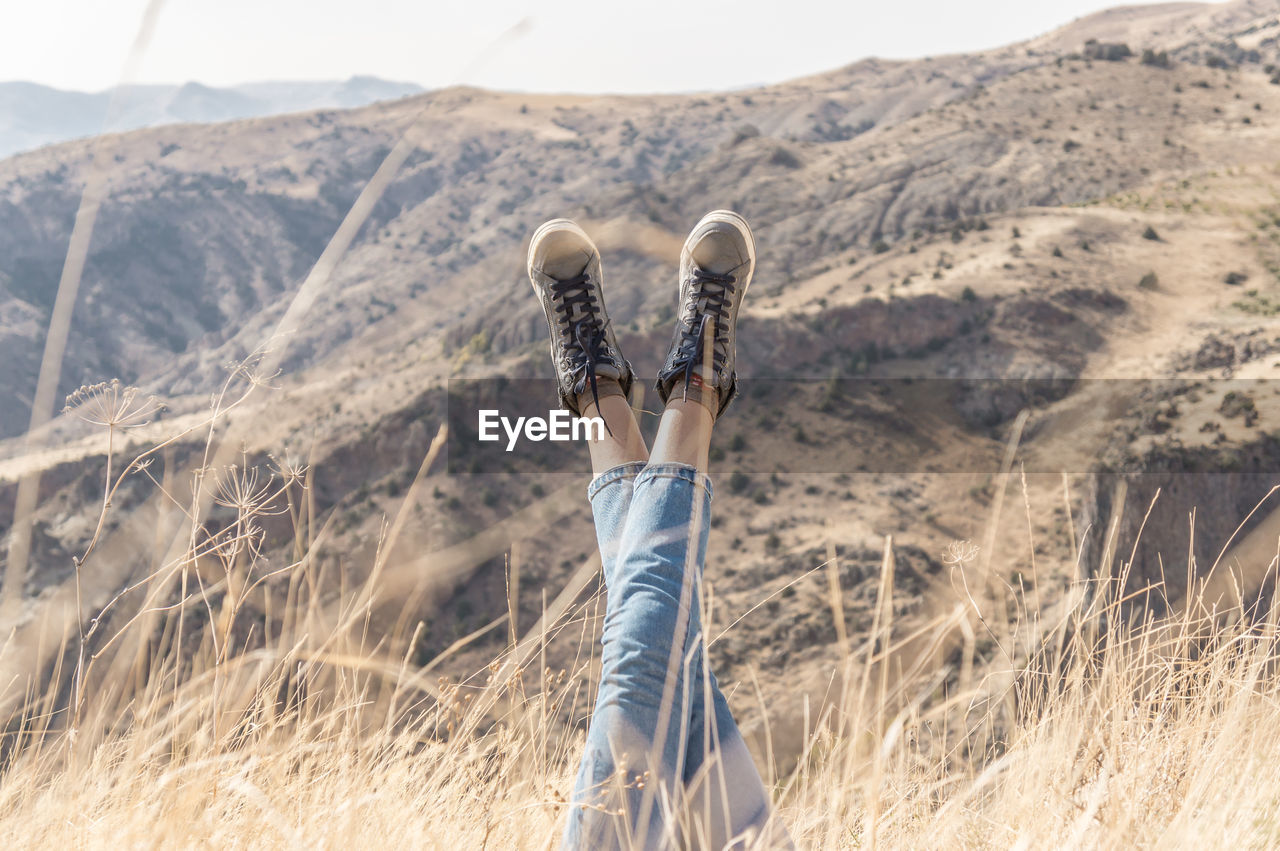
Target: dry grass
x=222, y=701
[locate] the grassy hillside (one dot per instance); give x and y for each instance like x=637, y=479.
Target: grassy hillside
x=242, y=719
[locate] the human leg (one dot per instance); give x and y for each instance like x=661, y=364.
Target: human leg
x=622, y=442
x=664, y=764
x=725, y=804
x=661, y=736
x=593, y=379
x=632, y=770
x=617, y=459
x=684, y=434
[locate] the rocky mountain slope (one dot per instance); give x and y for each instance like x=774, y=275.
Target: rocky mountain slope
x=1037, y=242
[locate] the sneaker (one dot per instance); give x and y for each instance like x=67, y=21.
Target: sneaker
x=715, y=271
x=564, y=268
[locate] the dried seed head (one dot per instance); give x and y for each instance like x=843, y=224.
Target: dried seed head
x=959, y=553
x=112, y=404
x=289, y=470
x=239, y=488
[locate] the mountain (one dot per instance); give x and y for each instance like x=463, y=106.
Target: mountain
x=1071, y=245
x=33, y=115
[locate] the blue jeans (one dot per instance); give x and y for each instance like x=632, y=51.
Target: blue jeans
x=664, y=765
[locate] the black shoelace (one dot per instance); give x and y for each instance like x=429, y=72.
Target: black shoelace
x=715, y=291
x=583, y=338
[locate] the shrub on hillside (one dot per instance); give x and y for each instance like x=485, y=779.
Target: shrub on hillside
x=786, y=159
x=1106, y=51
x=743, y=133
x=1156, y=59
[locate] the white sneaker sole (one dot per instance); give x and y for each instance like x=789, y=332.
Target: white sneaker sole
x=546, y=228
x=733, y=220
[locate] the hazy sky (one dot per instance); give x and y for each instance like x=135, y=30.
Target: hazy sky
x=570, y=45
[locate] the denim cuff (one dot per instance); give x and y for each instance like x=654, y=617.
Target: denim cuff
x=613, y=474
x=677, y=471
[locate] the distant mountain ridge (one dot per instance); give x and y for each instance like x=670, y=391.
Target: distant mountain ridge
x=32, y=115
